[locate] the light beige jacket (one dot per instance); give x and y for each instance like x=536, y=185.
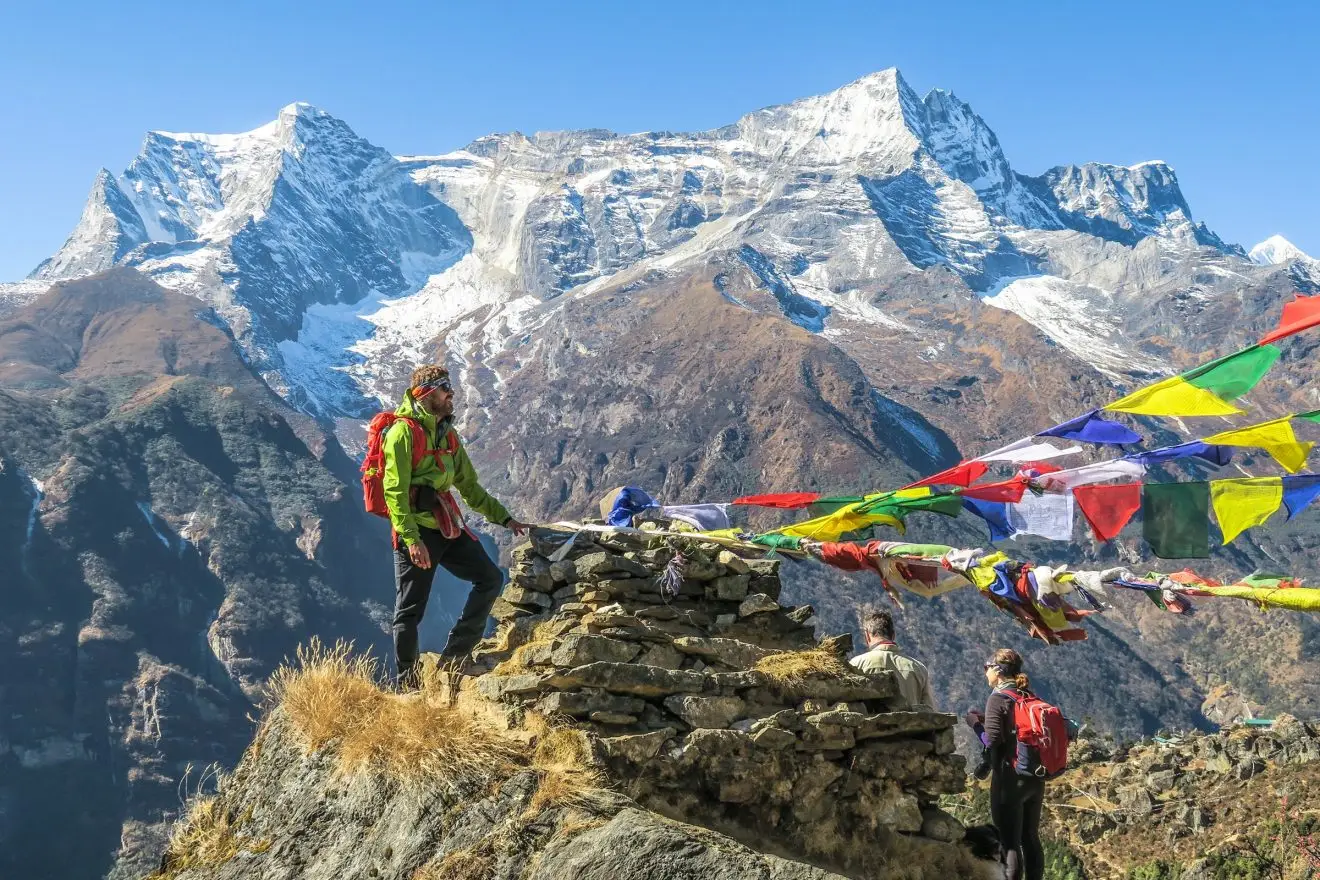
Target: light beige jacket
x=913, y=678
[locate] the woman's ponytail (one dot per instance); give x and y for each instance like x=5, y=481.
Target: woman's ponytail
x=1010, y=666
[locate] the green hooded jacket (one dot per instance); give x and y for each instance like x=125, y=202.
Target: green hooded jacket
x=457, y=472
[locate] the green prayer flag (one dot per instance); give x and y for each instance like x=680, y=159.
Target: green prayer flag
x=1312, y=416
x=826, y=506
x=1235, y=374
x=1176, y=519
x=787, y=542
x=944, y=502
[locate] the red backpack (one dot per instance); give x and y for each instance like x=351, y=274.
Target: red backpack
x=373, y=466
x=1042, y=728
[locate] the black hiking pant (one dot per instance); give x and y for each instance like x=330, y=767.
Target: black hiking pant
x=1015, y=806
x=465, y=559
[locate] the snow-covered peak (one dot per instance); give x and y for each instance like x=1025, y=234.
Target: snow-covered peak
x=110, y=226
x=1275, y=251
x=1121, y=203
x=963, y=144
x=877, y=117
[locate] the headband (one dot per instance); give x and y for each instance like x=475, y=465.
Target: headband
x=421, y=392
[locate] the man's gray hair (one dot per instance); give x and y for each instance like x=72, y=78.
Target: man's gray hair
x=876, y=622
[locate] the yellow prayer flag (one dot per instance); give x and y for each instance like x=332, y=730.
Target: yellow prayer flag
x=1174, y=396
x=1243, y=504
x=1276, y=437
x=1292, y=598
x=832, y=526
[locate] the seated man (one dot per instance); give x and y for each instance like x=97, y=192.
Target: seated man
x=882, y=655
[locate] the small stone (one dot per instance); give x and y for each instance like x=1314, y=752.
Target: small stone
x=564, y=571
x=573, y=608
x=801, y=614
x=495, y=687
x=658, y=612
x=612, y=718
x=522, y=596
x=939, y=825
x=775, y=738
x=725, y=620
x=819, y=737
x=503, y=610
x=757, y=603
x=730, y=652
x=597, y=564
x=837, y=717
x=733, y=562
x=594, y=596
x=639, y=747
x=629, y=678
x=664, y=656
x=699, y=569
x=707, y=712
x=730, y=588
x=579, y=650
x=606, y=617
x=582, y=703
x=894, y=724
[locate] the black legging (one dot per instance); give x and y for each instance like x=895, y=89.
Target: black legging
x=1015, y=805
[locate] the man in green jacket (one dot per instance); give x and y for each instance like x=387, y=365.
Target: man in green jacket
x=428, y=528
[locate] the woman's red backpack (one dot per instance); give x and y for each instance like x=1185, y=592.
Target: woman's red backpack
x=373, y=466
x=1042, y=728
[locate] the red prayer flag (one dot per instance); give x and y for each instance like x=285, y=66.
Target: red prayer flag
x=961, y=474
x=782, y=500
x=1298, y=315
x=1108, y=508
x=1008, y=490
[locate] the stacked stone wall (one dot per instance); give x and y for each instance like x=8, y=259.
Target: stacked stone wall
x=665, y=684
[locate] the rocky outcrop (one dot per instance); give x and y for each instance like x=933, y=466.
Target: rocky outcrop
x=718, y=737
x=712, y=703
x=1237, y=803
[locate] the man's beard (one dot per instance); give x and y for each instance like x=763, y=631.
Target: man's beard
x=442, y=410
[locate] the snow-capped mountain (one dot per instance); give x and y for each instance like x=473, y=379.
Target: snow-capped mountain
x=1277, y=250
x=265, y=224
x=334, y=262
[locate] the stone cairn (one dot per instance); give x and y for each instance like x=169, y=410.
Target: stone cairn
x=664, y=685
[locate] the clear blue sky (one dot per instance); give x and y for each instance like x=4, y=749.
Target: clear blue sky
x=1229, y=96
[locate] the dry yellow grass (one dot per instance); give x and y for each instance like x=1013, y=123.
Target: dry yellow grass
x=795, y=666
x=207, y=836
x=568, y=773
x=331, y=696
x=461, y=864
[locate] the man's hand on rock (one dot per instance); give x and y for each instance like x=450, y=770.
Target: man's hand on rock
x=420, y=556
x=515, y=526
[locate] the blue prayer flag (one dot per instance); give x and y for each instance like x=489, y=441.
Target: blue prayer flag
x=1093, y=428
x=1216, y=455
x=1299, y=491
x=995, y=513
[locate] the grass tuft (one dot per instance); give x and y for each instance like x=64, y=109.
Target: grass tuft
x=208, y=836
x=798, y=666
x=331, y=696
x=569, y=775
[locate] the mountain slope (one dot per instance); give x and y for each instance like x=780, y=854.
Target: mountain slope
x=174, y=530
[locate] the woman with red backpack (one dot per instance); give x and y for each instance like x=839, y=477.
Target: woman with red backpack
x=1026, y=742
